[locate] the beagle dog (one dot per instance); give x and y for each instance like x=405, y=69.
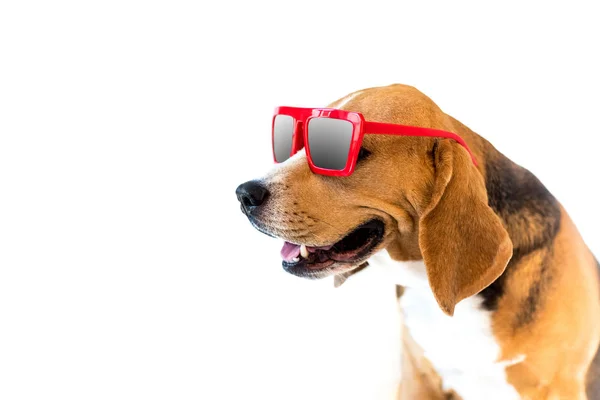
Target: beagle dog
x=498, y=292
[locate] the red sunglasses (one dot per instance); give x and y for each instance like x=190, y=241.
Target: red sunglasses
x=333, y=137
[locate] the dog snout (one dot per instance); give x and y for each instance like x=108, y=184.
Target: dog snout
x=251, y=195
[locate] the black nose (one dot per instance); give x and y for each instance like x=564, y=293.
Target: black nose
x=251, y=194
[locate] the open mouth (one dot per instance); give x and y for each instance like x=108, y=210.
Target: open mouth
x=318, y=262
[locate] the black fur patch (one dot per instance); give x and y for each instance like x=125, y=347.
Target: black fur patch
x=530, y=214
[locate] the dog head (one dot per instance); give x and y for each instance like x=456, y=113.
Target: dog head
x=418, y=198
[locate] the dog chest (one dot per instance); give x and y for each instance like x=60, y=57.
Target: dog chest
x=461, y=348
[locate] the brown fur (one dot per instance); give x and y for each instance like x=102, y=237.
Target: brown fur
x=467, y=223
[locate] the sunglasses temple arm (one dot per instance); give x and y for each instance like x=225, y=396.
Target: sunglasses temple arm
x=404, y=130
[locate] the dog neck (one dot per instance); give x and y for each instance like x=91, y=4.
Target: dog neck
x=462, y=348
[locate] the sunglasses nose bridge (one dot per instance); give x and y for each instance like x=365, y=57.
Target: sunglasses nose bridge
x=299, y=135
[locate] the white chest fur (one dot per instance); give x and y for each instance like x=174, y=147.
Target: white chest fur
x=462, y=348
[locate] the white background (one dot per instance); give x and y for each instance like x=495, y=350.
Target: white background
x=126, y=268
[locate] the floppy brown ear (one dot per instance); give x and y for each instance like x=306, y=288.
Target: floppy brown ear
x=463, y=243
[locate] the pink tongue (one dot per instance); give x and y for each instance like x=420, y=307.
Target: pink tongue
x=290, y=251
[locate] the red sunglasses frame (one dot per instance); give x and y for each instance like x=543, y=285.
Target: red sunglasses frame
x=360, y=127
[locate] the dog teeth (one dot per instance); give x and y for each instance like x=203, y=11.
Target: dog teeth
x=295, y=259
x=304, y=251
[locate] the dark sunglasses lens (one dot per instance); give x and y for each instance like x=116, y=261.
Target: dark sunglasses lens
x=329, y=142
x=283, y=132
